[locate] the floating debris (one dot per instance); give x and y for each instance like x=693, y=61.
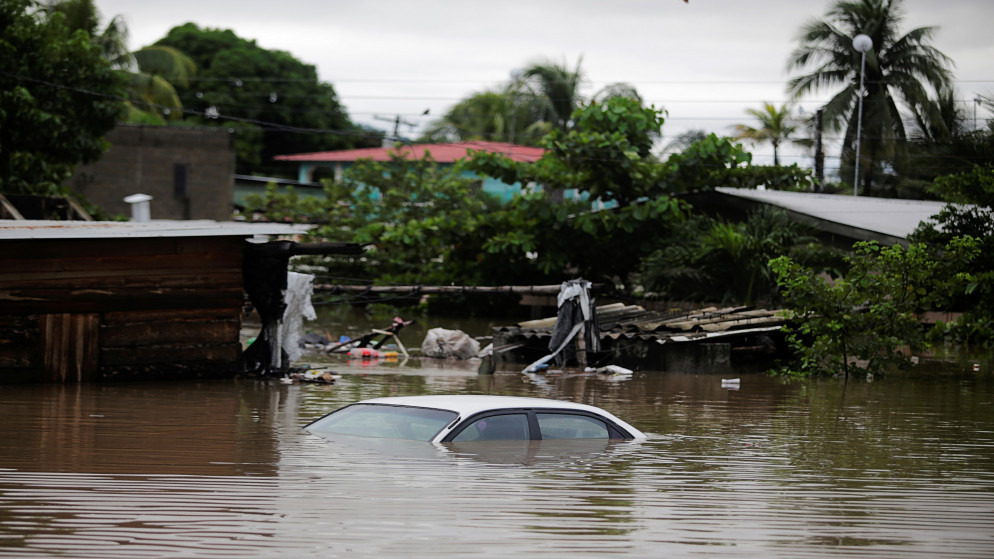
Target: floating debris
x=610, y=370
x=343, y=346
x=318, y=376
x=366, y=353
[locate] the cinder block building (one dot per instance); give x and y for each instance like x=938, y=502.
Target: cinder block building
x=188, y=171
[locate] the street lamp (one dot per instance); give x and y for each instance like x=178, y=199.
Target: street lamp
x=861, y=43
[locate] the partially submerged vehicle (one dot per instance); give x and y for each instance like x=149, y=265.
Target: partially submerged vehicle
x=464, y=418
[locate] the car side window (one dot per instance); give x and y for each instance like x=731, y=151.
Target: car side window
x=571, y=426
x=507, y=427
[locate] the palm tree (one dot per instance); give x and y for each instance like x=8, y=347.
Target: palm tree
x=150, y=72
x=481, y=116
x=775, y=127
x=904, y=67
x=542, y=99
x=557, y=86
x=491, y=115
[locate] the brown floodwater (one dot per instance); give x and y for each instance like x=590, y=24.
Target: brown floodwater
x=776, y=468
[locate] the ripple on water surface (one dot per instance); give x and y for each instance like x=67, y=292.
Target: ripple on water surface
x=775, y=469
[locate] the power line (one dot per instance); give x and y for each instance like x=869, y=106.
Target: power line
x=353, y=133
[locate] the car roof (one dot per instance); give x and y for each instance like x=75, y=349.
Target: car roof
x=466, y=405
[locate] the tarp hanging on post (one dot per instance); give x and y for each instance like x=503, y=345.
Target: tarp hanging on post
x=576, y=314
x=575, y=308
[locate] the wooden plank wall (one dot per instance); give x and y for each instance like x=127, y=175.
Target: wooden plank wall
x=20, y=348
x=69, y=346
x=78, y=310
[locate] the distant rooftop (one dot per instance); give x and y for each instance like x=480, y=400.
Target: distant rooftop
x=441, y=153
x=30, y=229
x=882, y=219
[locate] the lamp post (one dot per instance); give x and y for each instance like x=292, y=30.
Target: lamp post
x=861, y=43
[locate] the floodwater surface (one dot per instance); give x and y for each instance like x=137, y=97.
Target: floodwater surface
x=776, y=468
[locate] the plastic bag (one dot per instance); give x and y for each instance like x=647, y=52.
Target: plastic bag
x=444, y=344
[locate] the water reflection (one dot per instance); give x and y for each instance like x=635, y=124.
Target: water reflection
x=212, y=428
x=775, y=469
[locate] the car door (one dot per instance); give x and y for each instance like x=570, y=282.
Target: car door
x=504, y=426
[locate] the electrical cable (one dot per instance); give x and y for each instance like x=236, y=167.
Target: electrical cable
x=272, y=126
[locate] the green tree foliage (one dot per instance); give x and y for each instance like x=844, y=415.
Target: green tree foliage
x=58, y=97
x=418, y=220
x=944, y=143
x=899, y=68
x=149, y=72
x=560, y=240
x=868, y=319
x=152, y=96
x=728, y=263
x=461, y=238
x=536, y=101
x=716, y=161
x=970, y=213
x=509, y=115
x=239, y=81
x=557, y=86
x=606, y=154
x=705, y=164
x=83, y=15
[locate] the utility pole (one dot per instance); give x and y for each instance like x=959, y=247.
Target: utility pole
x=397, y=121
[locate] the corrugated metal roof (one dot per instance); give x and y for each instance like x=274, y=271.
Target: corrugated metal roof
x=441, y=153
x=632, y=321
x=887, y=216
x=30, y=229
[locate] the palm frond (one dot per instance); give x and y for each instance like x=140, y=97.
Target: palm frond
x=166, y=62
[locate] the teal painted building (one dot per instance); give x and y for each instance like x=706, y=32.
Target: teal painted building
x=336, y=162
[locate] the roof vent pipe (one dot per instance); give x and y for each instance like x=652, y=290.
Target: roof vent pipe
x=140, y=211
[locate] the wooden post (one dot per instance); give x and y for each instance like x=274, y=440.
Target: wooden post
x=581, y=347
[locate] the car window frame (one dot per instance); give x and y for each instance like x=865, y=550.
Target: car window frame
x=386, y=405
x=615, y=432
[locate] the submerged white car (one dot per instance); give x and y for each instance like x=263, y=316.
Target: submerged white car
x=458, y=418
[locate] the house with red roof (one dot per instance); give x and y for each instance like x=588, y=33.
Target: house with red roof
x=443, y=154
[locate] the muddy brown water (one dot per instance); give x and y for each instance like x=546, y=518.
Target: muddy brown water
x=776, y=468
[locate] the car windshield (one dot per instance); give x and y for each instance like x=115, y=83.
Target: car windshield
x=384, y=421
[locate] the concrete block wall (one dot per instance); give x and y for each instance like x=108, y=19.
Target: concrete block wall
x=189, y=172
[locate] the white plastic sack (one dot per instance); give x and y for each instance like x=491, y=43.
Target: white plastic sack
x=299, y=288
x=443, y=344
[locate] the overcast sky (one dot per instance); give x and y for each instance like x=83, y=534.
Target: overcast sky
x=704, y=61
